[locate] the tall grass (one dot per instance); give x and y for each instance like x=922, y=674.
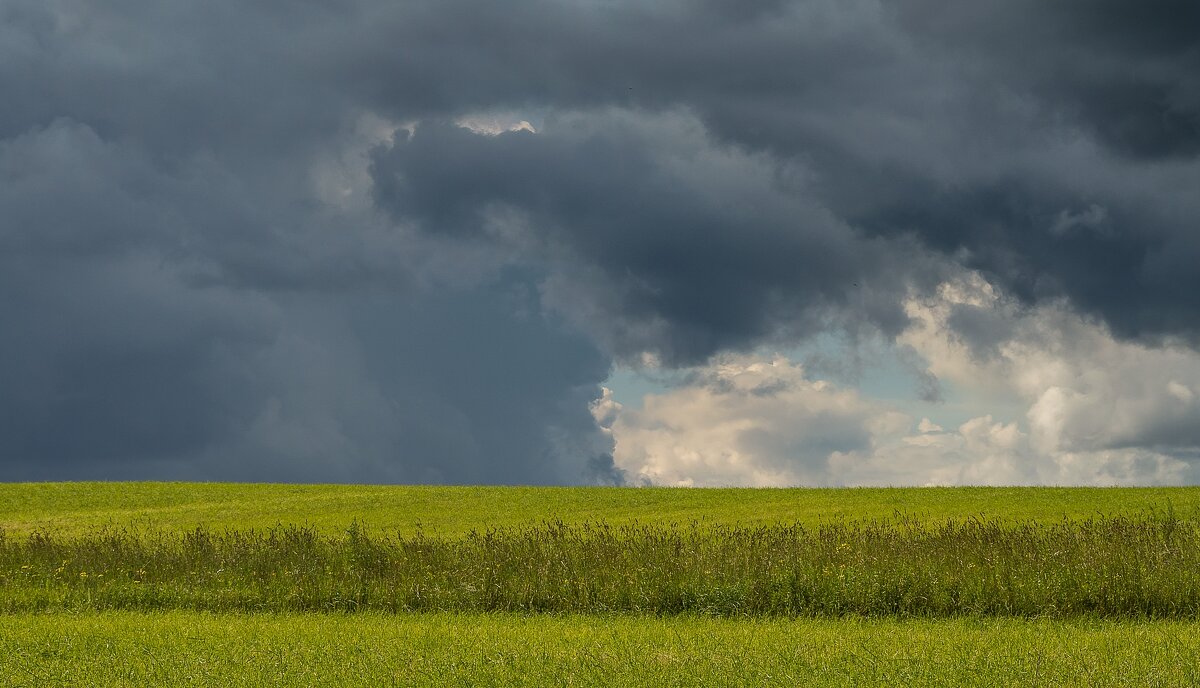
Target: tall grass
x=1147, y=567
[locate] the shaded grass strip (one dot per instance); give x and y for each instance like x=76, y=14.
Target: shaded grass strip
x=1106, y=567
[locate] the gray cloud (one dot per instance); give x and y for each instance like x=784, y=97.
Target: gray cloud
x=668, y=242
x=139, y=343
x=210, y=249
x=1126, y=73
x=969, y=129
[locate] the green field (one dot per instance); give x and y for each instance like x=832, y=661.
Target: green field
x=190, y=649
x=77, y=508
x=1114, y=567
x=203, y=584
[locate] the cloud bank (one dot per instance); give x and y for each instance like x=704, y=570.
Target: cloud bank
x=351, y=240
x=1093, y=410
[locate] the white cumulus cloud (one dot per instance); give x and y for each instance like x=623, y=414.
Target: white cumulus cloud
x=1087, y=409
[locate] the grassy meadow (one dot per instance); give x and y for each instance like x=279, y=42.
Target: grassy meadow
x=206, y=584
x=251, y=650
x=1110, y=567
x=79, y=508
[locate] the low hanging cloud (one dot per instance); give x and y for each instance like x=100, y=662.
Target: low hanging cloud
x=1094, y=410
x=658, y=240
x=813, y=433
x=752, y=421
x=367, y=241
x=1085, y=390
x=742, y=421
x=147, y=339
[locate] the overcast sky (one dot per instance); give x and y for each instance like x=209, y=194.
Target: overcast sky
x=682, y=242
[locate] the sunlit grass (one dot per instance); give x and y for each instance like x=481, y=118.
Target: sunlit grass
x=189, y=649
x=77, y=508
x=144, y=584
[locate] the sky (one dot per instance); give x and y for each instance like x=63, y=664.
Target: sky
x=681, y=242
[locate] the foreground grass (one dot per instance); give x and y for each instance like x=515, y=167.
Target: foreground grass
x=1113, y=567
x=79, y=508
x=188, y=648
x=106, y=584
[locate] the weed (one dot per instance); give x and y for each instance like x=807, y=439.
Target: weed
x=1104, y=566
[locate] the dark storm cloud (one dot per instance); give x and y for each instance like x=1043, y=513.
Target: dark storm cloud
x=198, y=280
x=687, y=248
x=1128, y=72
x=963, y=126
x=205, y=317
